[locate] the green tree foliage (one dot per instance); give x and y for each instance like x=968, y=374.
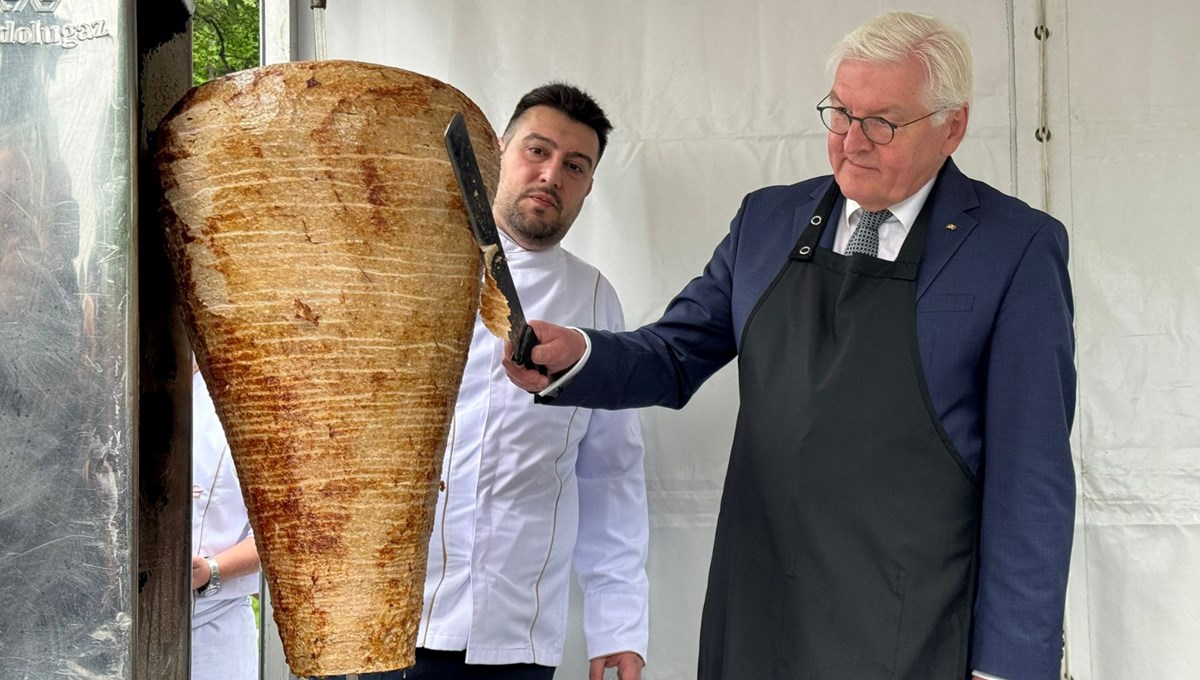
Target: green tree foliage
x=224, y=38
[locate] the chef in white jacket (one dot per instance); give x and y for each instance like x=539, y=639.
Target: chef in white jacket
x=224, y=556
x=528, y=490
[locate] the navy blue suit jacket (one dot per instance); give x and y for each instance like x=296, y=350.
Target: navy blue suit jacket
x=994, y=327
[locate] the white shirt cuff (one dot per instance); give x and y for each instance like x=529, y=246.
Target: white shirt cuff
x=555, y=387
x=986, y=676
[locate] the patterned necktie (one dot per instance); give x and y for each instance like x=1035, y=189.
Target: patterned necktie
x=865, y=238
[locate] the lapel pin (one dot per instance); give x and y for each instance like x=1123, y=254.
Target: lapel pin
x=951, y=227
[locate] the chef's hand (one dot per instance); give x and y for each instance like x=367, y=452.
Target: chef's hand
x=628, y=664
x=558, y=349
x=200, y=571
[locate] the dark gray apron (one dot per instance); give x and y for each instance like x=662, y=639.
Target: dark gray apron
x=846, y=543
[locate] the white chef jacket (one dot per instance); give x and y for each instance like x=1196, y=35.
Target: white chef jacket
x=224, y=636
x=526, y=487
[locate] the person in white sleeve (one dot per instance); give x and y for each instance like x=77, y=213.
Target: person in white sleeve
x=528, y=490
x=224, y=556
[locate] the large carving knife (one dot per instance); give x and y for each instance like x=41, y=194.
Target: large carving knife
x=470, y=183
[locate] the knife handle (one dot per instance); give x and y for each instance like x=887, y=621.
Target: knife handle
x=523, y=350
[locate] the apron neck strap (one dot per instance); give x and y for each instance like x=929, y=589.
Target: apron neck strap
x=807, y=243
x=914, y=243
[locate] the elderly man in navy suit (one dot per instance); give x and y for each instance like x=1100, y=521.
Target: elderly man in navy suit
x=900, y=495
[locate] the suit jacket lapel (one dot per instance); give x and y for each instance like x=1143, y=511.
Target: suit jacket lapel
x=953, y=198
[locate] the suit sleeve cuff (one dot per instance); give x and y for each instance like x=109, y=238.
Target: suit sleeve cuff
x=547, y=395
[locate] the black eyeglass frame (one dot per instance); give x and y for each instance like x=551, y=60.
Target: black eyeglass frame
x=892, y=127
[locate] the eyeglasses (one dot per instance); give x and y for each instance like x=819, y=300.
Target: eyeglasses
x=878, y=130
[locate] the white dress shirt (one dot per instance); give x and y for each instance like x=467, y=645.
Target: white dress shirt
x=892, y=232
x=528, y=489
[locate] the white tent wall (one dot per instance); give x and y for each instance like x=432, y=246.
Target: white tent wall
x=1129, y=195
x=714, y=99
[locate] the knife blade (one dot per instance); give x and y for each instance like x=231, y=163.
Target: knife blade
x=318, y=10
x=487, y=236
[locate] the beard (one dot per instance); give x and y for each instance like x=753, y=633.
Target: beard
x=533, y=226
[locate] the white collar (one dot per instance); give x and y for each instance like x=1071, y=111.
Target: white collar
x=518, y=256
x=905, y=211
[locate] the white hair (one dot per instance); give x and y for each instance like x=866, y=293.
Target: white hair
x=940, y=47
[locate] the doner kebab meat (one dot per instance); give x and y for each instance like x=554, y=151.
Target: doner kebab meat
x=329, y=282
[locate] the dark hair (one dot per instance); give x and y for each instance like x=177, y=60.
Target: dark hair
x=569, y=100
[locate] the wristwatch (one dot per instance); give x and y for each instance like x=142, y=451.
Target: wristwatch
x=214, y=579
